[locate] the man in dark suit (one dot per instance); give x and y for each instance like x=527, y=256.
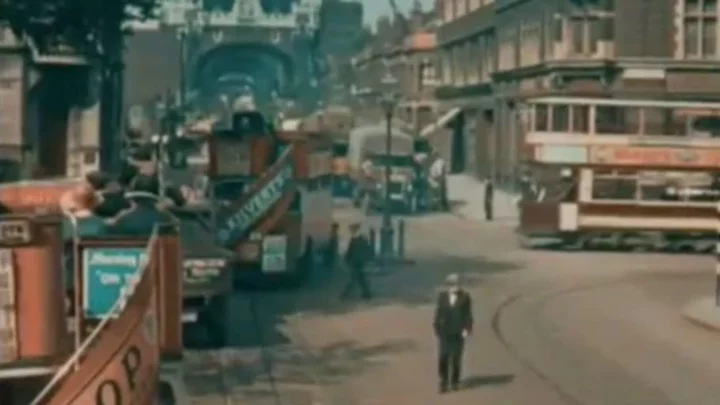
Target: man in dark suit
x=453, y=324
x=358, y=254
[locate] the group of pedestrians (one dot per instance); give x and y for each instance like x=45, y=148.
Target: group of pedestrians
x=453, y=318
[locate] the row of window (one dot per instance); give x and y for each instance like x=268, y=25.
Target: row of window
x=525, y=44
x=700, y=37
x=654, y=186
x=613, y=120
x=454, y=9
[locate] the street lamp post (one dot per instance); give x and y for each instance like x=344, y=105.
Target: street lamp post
x=388, y=103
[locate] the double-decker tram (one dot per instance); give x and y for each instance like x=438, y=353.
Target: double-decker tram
x=628, y=173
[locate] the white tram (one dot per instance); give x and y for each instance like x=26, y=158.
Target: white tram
x=629, y=173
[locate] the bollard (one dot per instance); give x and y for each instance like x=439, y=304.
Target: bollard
x=401, y=239
x=373, y=241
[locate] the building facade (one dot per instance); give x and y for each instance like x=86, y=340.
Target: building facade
x=496, y=53
x=403, y=49
x=413, y=67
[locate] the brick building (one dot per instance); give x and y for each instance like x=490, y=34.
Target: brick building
x=406, y=51
x=493, y=54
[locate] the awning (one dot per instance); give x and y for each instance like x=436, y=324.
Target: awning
x=441, y=122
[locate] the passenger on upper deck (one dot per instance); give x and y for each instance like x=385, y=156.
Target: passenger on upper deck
x=110, y=193
x=146, y=210
x=81, y=220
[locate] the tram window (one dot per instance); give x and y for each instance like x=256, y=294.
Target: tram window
x=662, y=121
x=614, y=188
x=706, y=127
x=560, y=118
x=617, y=120
x=656, y=192
x=580, y=118
x=541, y=117
x=667, y=185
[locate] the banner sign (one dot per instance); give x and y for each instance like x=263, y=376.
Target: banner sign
x=8, y=325
x=106, y=272
x=264, y=195
x=654, y=157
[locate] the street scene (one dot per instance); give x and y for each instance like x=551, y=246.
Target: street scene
x=550, y=327
x=359, y=202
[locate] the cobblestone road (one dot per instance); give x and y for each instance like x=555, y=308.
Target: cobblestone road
x=552, y=328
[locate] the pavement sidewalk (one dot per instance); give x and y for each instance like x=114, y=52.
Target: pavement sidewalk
x=703, y=312
x=467, y=194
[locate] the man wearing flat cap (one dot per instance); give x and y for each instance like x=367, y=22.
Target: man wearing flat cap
x=453, y=324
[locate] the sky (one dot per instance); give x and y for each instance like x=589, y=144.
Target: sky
x=376, y=8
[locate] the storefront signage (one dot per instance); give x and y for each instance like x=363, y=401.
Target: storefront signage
x=8, y=325
x=106, y=273
x=654, y=157
x=261, y=201
x=274, y=253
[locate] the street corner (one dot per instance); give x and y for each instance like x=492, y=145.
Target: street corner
x=703, y=312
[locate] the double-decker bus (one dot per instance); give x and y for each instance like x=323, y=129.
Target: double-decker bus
x=629, y=173
x=337, y=122
x=272, y=196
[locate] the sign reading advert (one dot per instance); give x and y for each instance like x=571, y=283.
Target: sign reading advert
x=107, y=271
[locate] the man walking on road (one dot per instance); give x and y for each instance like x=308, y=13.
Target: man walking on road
x=356, y=257
x=453, y=324
x=488, y=200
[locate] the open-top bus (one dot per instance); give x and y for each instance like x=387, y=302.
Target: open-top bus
x=337, y=122
x=625, y=172
x=272, y=194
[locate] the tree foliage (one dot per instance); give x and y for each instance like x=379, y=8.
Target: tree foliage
x=92, y=27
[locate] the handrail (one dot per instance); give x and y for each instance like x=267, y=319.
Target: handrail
x=75, y=358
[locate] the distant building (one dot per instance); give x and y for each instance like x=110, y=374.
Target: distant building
x=404, y=49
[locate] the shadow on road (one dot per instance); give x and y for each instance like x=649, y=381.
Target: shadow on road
x=485, y=380
x=412, y=285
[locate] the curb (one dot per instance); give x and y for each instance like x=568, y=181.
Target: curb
x=701, y=323
x=712, y=325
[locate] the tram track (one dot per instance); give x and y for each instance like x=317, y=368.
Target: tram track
x=541, y=300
